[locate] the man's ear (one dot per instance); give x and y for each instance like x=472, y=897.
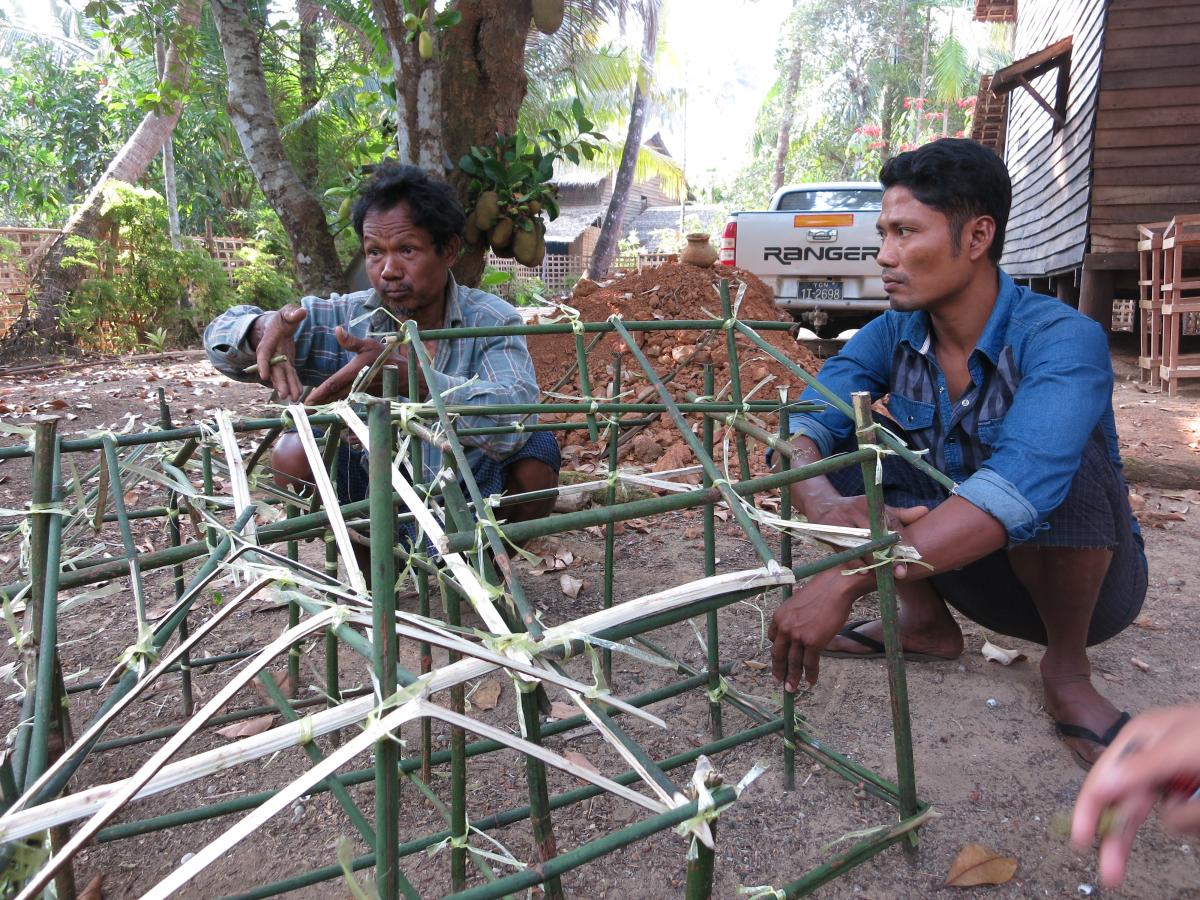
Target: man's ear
x=981, y=231
x=450, y=251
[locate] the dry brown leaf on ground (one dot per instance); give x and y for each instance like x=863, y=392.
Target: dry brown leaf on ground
x=1001, y=655
x=247, y=728
x=756, y=665
x=94, y=889
x=487, y=695
x=1148, y=624
x=570, y=586
x=580, y=760
x=560, y=710
x=1139, y=664
x=282, y=680
x=976, y=864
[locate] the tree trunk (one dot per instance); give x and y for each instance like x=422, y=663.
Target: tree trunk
x=784, y=141
x=916, y=132
x=50, y=283
x=318, y=268
x=168, y=155
x=482, y=62
x=308, y=143
x=610, y=230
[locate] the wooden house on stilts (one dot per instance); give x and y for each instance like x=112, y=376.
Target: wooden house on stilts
x=1098, y=120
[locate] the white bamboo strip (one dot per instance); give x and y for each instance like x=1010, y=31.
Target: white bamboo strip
x=329, y=497
x=83, y=803
x=130, y=786
x=239, y=486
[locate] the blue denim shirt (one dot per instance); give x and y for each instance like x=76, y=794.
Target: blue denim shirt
x=1041, y=386
x=479, y=371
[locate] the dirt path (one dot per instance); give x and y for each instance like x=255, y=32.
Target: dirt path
x=994, y=771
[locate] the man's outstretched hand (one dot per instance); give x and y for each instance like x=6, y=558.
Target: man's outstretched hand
x=275, y=336
x=366, y=350
x=804, y=624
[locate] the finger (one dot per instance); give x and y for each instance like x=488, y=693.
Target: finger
x=795, y=666
x=812, y=664
x=771, y=630
x=908, y=515
x=348, y=341
x=1117, y=841
x=779, y=654
x=291, y=316
x=337, y=386
x=295, y=388
x=279, y=381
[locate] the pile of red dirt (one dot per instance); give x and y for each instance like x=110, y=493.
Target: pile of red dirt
x=672, y=291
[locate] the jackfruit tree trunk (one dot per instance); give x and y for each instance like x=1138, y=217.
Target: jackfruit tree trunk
x=318, y=269
x=40, y=321
x=482, y=63
x=610, y=230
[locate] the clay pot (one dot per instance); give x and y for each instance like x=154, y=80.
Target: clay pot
x=698, y=252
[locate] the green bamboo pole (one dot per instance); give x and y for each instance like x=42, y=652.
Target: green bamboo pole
x=333, y=691
x=131, y=551
x=735, y=377
x=594, y=849
x=710, y=568
x=185, y=668
x=523, y=531
x=585, y=384
x=700, y=868
x=731, y=694
x=42, y=613
x=500, y=820
x=293, y=619
x=838, y=403
x=362, y=776
x=333, y=785
x=886, y=586
x=383, y=605
x=610, y=499
x=206, y=480
x=785, y=553
x=726, y=490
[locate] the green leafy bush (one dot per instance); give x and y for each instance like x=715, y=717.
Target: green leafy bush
x=136, y=283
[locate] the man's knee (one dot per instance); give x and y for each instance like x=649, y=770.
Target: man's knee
x=527, y=475
x=290, y=463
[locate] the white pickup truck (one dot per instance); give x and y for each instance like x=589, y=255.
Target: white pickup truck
x=816, y=246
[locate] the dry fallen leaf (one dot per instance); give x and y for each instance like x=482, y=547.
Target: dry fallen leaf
x=570, y=586
x=487, y=695
x=560, y=710
x=1136, y=501
x=94, y=889
x=976, y=864
x=247, y=728
x=1148, y=624
x=1140, y=664
x=282, y=681
x=580, y=760
x=1001, y=655
x=755, y=665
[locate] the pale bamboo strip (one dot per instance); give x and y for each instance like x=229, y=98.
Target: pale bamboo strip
x=77, y=805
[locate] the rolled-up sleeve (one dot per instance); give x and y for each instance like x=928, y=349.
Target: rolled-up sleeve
x=226, y=342
x=862, y=365
x=1066, y=386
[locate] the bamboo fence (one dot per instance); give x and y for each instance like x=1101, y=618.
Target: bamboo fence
x=461, y=556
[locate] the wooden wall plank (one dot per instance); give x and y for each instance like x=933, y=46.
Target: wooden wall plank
x=1184, y=135
x=1153, y=34
x=1146, y=155
x=1143, y=78
x=1166, y=56
x=1169, y=194
x=1121, y=15
x=1115, y=176
x=1138, y=98
x=1151, y=117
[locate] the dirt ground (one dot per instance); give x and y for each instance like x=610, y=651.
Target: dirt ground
x=994, y=772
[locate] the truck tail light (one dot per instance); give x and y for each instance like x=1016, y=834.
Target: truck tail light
x=728, y=253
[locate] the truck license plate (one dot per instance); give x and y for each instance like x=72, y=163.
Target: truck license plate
x=819, y=291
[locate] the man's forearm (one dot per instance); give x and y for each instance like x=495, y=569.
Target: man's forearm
x=808, y=495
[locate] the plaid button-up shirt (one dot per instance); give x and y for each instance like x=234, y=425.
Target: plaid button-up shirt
x=499, y=369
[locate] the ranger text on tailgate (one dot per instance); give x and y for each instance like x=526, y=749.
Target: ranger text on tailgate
x=816, y=247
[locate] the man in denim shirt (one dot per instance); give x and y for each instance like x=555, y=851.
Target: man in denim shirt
x=1010, y=393
x=410, y=226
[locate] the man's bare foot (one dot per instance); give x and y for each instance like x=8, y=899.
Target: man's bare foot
x=1078, y=709
x=942, y=643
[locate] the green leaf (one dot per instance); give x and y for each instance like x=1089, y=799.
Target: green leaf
x=448, y=19
x=494, y=278
x=469, y=165
x=572, y=154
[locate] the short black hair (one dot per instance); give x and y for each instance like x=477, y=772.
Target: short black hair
x=958, y=177
x=432, y=203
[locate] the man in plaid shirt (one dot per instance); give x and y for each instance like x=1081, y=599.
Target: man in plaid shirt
x=410, y=226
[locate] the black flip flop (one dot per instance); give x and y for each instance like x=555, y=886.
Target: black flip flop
x=876, y=650
x=1070, y=730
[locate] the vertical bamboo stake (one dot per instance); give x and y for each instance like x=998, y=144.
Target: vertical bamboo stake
x=610, y=498
x=135, y=568
x=383, y=597
x=885, y=580
x=416, y=453
x=333, y=690
x=735, y=377
x=185, y=668
x=585, y=382
x=710, y=568
x=206, y=475
x=785, y=551
x=293, y=656
x=700, y=869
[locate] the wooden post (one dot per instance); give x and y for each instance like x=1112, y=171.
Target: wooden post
x=1096, y=296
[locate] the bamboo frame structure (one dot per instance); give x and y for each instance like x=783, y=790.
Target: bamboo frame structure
x=244, y=538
